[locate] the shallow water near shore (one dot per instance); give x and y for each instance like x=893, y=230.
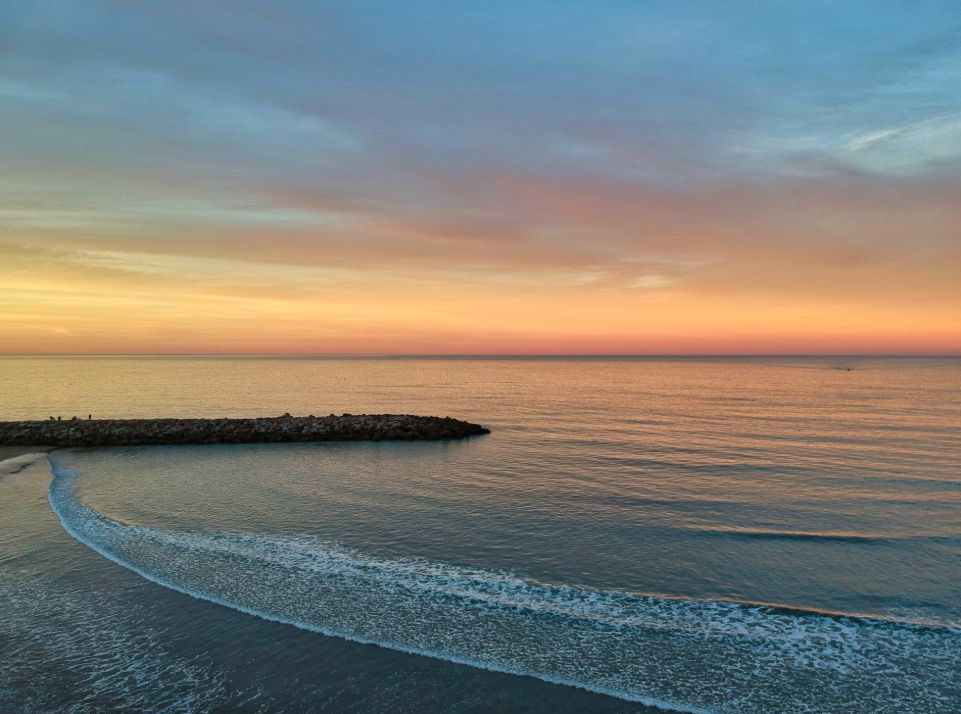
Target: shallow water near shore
x=699, y=535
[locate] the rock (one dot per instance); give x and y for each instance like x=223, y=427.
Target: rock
x=106, y=432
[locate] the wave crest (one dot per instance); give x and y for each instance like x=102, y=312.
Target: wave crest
x=687, y=655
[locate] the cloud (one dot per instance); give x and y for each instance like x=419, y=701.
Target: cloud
x=542, y=173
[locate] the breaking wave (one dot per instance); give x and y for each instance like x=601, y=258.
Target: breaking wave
x=678, y=654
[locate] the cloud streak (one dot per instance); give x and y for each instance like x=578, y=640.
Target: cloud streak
x=537, y=177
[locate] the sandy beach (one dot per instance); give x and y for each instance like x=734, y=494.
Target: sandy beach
x=8, y=453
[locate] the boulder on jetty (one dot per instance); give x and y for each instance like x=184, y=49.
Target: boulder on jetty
x=347, y=427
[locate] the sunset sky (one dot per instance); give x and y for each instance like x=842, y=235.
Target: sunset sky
x=615, y=177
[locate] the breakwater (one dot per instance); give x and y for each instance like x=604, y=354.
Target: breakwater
x=286, y=428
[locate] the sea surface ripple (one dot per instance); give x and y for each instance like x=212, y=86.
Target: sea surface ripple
x=682, y=654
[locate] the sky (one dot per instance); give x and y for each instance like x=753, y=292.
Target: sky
x=502, y=177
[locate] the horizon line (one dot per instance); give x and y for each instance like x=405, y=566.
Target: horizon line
x=505, y=355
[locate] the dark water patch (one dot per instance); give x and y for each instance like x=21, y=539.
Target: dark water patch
x=825, y=536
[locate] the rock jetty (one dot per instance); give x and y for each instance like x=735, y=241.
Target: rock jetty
x=346, y=427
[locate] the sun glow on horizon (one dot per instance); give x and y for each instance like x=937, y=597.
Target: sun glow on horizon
x=661, y=181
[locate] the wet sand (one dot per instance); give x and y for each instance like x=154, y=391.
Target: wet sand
x=11, y=452
x=15, y=459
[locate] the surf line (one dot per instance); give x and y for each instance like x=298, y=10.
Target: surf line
x=58, y=501
x=607, y=642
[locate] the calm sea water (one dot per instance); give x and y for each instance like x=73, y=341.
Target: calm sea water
x=766, y=535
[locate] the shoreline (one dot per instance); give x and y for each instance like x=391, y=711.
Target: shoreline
x=52, y=433
x=13, y=452
x=16, y=459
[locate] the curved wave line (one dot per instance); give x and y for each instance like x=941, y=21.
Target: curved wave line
x=641, y=648
x=647, y=701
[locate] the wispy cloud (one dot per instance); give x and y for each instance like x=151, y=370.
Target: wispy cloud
x=365, y=175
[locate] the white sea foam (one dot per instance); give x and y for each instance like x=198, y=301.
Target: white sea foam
x=686, y=655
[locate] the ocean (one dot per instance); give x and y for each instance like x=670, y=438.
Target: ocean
x=635, y=535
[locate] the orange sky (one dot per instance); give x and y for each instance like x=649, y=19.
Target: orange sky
x=214, y=185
